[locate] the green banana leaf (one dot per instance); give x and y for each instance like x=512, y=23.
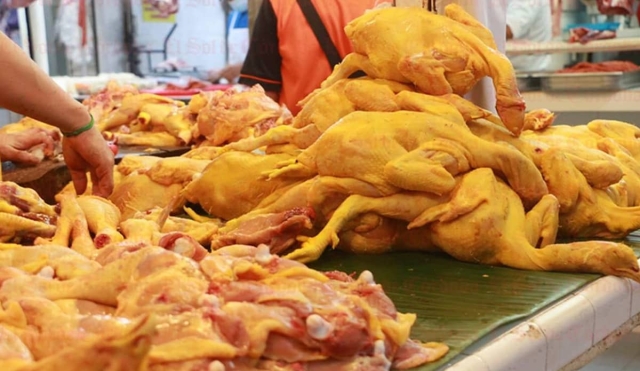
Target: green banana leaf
x=458, y=303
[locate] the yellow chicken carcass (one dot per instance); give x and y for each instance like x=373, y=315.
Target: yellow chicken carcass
x=175, y=170
x=145, y=139
x=626, y=135
x=412, y=151
x=234, y=115
x=439, y=54
x=587, y=212
x=224, y=192
x=364, y=94
x=176, y=119
x=137, y=192
x=129, y=109
x=108, y=99
x=486, y=225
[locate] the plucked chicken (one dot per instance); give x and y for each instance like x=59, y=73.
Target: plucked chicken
x=412, y=151
x=232, y=115
x=439, y=54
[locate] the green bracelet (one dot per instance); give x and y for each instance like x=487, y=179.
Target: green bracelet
x=77, y=132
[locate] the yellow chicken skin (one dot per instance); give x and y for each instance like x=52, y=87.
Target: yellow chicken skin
x=626, y=135
x=145, y=139
x=486, y=225
x=411, y=151
x=439, y=54
x=585, y=211
x=234, y=115
x=227, y=193
x=129, y=109
x=174, y=118
x=588, y=212
x=137, y=192
x=357, y=95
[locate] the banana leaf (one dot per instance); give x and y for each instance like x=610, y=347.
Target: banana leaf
x=458, y=303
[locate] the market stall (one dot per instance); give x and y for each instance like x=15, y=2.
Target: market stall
x=590, y=94
x=465, y=239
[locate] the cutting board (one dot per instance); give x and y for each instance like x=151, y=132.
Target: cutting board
x=458, y=303
x=50, y=176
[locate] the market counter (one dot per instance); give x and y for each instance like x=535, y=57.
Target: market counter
x=609, y=102
x=496, y=318
x=578, y=108
x=566, y=336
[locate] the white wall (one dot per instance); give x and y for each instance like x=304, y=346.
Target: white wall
x=199, y=39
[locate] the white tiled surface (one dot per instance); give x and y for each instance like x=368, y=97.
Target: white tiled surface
x=527, y=341
x=472, y=362
x=561, y=333
x=623, y=356
x=568, y=328
x=611, y=300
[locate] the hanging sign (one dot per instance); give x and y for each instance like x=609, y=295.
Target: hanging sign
x=159, y=11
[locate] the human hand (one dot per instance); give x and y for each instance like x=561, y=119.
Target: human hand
x=89, y=152
x=15, y=147
x=229, y=73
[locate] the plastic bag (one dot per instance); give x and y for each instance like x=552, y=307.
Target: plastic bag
x=615, y=7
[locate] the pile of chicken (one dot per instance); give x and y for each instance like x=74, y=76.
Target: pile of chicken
x=105, y=293
x=130, y=118
x=399, y=160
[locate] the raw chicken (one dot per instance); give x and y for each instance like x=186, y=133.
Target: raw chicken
x=426, y=162
x=232, y=115
x=439, y=54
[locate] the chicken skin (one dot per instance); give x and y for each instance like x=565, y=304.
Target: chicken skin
x=411, y=151
x=486, y=225
x=439, y=54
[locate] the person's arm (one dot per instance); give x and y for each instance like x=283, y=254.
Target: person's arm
x=521, y=17
x=263, y=61
x=27, y=90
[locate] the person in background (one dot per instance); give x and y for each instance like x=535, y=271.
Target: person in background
x=237, y=42
x=530, y=20
x=9, y=17
x=27, y=90
x=285, y=56
x=254, y=9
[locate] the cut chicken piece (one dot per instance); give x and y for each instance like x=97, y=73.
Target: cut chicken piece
x=103, y=218
x=125, y=351
x=66, y=263
x=145, y=139
x=278, y=231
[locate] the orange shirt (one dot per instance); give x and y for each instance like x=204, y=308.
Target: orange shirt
x=285, y=56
